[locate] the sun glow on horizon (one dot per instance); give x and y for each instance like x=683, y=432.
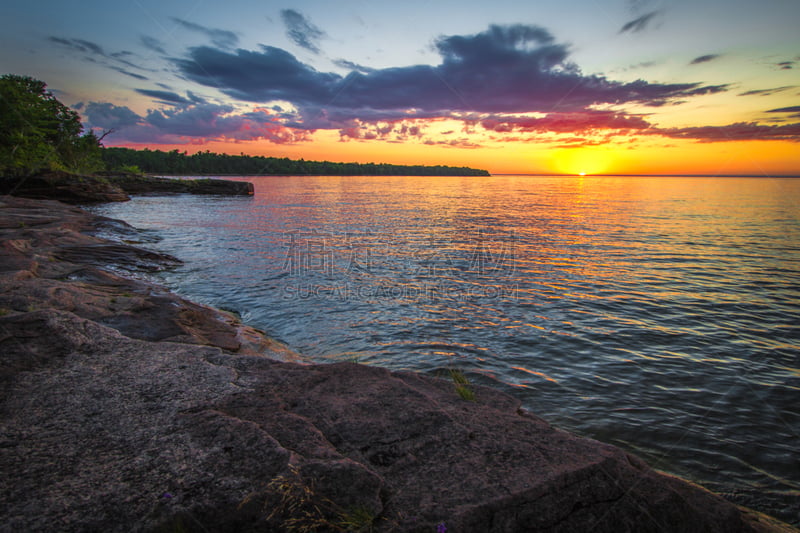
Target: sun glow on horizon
x=582, y=161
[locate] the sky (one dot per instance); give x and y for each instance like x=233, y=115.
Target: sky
x=534, y=87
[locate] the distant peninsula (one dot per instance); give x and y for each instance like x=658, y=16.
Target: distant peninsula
x=212, y=164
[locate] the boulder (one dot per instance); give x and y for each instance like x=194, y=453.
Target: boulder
x=133, y=184
x=110, y=187
x=68, y=188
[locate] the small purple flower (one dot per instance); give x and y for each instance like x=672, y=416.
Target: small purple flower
x=166, y=496
x=441, y=528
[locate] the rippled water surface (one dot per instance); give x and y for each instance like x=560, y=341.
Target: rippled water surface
x=659, y=314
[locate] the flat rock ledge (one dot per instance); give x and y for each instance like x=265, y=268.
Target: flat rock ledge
x=187, y=421
x=114, y=187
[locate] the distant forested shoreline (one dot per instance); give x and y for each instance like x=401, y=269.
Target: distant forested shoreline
x=210, y=163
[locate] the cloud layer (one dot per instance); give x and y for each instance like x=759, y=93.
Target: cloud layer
x=508, y=80
x=509, y=69
x=193, y=123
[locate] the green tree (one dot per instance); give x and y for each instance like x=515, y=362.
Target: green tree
x=38, y=132
x=209, y=163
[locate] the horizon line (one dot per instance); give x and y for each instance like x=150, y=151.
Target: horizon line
x=554, y=174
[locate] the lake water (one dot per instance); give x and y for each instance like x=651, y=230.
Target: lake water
x=658, y=314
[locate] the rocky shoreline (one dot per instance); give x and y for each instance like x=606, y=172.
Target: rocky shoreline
x=128, y=408
x=113, y=186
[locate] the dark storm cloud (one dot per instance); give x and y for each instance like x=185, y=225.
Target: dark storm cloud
x=785, y=65
x=504, y=69
x=220, y=38
x=704, y=59
x=300, y=30
x=153, y=44
x=164, y=96
x=638, y=24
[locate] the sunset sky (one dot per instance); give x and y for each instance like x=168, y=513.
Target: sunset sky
x=535, y=86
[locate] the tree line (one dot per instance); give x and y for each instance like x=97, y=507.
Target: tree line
x=38, y=133
x=210, y=163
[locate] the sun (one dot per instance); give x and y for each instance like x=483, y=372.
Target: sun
x=582, y=161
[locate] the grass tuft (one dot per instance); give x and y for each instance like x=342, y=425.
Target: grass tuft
x=293, y=504
x=356, y=520
x=462, y=385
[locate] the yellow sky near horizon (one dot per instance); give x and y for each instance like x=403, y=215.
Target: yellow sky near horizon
x=652, y=155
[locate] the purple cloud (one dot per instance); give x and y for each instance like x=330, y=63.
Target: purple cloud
x=510, y=69
x=108, y=116
x=585, y=122
x=492, y=81
x=195, y=123
x=396, y=131
x=740, y=131
x=454, y=143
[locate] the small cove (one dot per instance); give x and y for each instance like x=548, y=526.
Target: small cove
x=658, y=314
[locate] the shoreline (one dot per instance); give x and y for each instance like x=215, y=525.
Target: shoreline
x=127, y=407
